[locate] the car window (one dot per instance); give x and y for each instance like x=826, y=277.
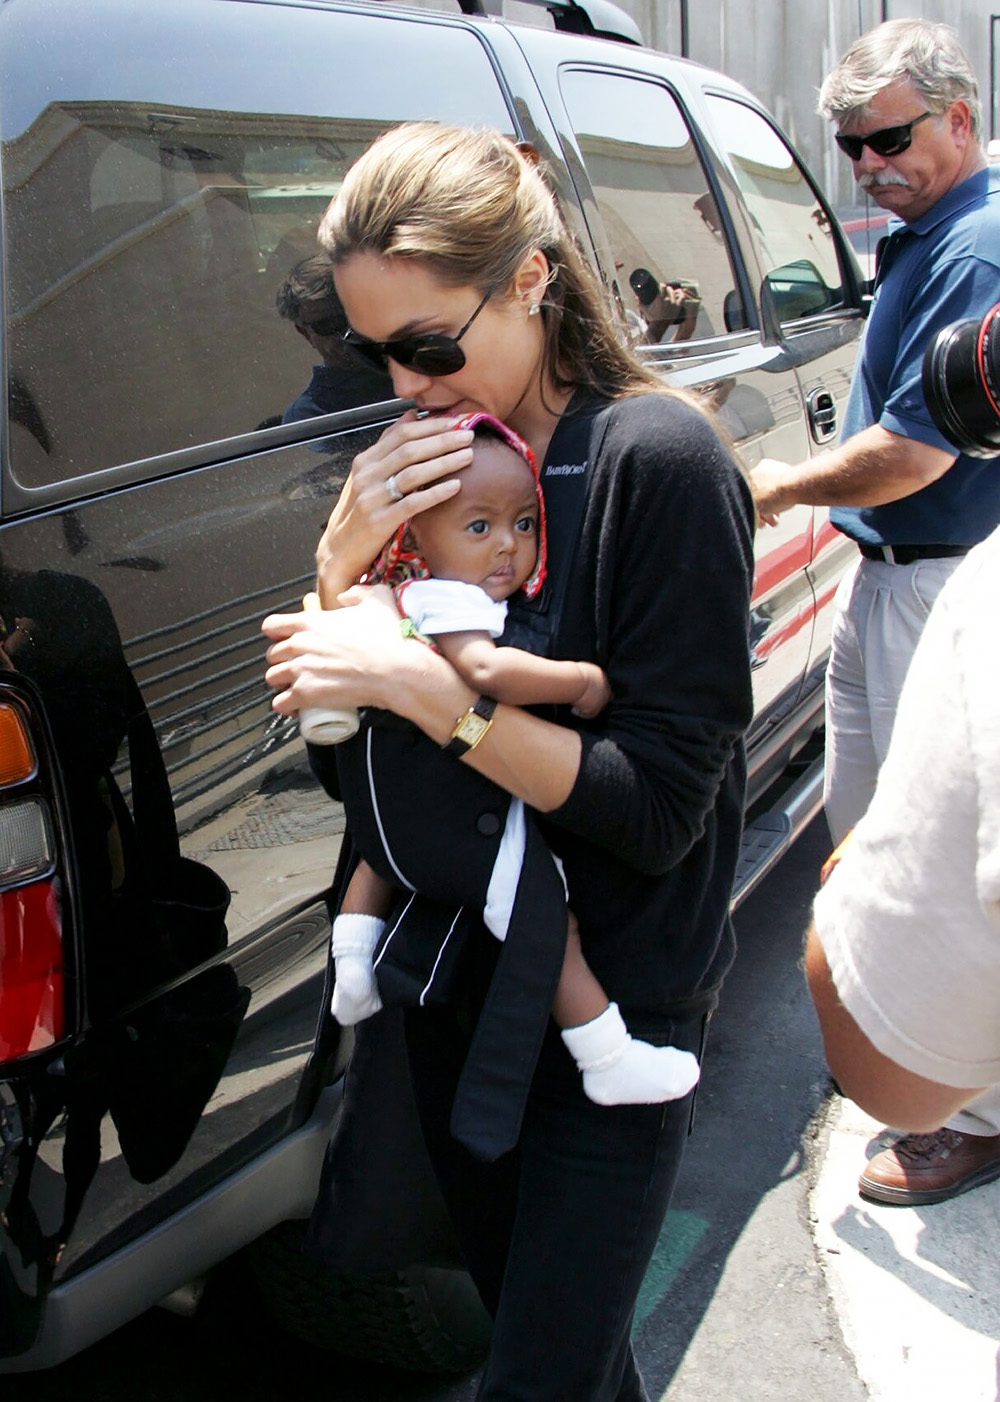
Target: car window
x=866, y=227
x=671, y=258
x=155, y=196
x=792, y=229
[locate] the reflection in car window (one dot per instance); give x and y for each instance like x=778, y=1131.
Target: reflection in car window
x=792, y=228
x=155, y=198
x=671, y=259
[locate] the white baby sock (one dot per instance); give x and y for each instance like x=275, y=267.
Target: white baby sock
x=618, y=1070
x=355, y=992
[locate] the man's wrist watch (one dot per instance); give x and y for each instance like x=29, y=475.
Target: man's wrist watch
x=471, y=727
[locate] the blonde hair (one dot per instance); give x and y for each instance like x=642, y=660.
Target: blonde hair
x=470, y=206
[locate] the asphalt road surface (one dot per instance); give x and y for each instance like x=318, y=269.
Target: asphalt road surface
x=734, y=1305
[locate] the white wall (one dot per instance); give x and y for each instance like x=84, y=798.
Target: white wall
x=782, y=49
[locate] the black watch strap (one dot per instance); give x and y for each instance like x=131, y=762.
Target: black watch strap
x=471, y=727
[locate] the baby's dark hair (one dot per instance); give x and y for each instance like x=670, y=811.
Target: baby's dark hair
x=486, y=426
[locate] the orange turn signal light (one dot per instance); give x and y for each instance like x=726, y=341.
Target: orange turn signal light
x=17, y=755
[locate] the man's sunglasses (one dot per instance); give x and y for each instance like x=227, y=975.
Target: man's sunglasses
x=429, y=352
x=888, y=141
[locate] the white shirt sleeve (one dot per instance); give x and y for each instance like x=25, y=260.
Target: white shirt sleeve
x=909, y=919
x=448, y=606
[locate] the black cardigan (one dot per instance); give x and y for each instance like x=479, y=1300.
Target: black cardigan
x=659, y=595
x=660, y=598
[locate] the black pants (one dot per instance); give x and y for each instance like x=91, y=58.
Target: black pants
x=558, y=1233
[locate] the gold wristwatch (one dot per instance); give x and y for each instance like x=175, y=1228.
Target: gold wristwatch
x=471, y=727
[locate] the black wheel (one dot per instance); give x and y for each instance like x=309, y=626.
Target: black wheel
x=426, y=1318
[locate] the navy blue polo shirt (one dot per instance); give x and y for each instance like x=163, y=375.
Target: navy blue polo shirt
x=942, y=267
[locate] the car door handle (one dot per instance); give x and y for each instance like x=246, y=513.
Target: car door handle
x=822, y=409
x=760, y=624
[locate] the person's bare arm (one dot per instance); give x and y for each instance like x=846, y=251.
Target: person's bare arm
x=882, y=1087
x=675, y=305
x=873, y=467
x=519, y=678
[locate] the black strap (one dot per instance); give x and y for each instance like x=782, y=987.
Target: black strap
x=566, y=475
x=886, y=252
x=907, y=554
x=146, y=826
x=152, y=801
x=495, y=1080
x=493, y=1087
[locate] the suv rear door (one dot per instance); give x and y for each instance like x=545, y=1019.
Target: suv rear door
x=810, y=299
x=155, y=193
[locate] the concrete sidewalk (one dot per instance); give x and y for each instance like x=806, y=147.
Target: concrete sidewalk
x=916, y=1289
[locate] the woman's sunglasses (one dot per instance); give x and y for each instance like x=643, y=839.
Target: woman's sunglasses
x=888, y=141
x=429, y=352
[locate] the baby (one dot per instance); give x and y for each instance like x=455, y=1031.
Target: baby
x=452, y=569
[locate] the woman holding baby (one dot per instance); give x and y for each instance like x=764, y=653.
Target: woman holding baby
x=456, y=270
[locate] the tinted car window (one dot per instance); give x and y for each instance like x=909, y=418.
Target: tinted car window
x=658, y=213
x=792, y=229
x=154, y=199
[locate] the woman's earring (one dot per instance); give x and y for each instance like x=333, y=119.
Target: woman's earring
x=534, y=309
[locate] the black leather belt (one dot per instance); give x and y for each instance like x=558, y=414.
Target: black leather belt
x=906, y=554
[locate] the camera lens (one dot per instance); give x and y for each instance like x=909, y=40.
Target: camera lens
x=961, y=380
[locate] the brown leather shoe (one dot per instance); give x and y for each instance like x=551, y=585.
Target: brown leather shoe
x=924, y=1168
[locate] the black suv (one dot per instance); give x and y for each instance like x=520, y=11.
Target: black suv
x=164, y=851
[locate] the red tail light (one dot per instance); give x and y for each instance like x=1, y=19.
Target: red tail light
x=32, y=994
x=31, y=970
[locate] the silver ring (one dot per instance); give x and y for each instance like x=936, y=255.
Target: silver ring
x=392, y=487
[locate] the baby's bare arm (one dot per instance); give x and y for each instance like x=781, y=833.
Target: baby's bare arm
x=367, y=893
x=519, y=678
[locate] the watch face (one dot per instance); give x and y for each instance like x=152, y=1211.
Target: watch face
x=471, y=728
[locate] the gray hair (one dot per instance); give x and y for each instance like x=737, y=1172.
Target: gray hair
x=927, y=54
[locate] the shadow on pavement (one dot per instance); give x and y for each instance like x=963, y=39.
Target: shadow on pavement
x=763, y=1083
x=231, y=1349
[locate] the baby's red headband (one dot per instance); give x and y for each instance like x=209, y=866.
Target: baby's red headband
x=398, y=561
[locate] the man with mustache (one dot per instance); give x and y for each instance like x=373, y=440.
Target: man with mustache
x=906, y=107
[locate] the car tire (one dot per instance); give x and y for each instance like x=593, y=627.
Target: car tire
x=425, y=1319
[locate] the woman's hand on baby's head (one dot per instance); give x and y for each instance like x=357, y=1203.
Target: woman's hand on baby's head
x=406, y=471
x=596, y=691
x=418, y=455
